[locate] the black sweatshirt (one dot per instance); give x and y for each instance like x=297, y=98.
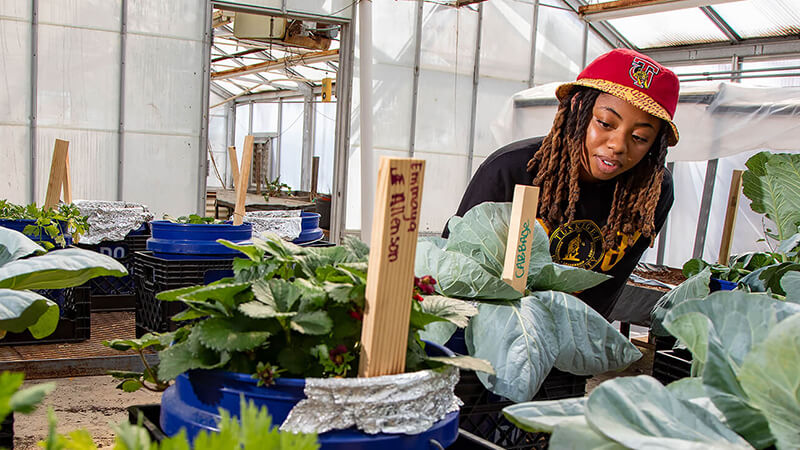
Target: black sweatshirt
x=578, y=243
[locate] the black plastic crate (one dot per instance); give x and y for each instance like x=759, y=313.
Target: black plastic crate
x=116, y=293
x=150, y=419
x=7, y=432
x=671, y=365
x=153, y=275
x=482, y=413
x=73, y=326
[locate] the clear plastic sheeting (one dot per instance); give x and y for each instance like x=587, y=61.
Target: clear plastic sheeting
x=407, y=403
x=716, y=120
x=342, y=9
x=111, y=220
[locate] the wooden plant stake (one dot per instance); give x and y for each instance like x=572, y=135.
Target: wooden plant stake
x=234, y=166
x=730, y=217
x=244, y=178
x=59, y=176
x=390, y=279
x=520, y=236
x=314, y=177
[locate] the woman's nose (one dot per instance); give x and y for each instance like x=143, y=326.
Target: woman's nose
x=616, y=142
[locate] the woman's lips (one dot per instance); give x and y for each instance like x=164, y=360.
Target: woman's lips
x=607, y=165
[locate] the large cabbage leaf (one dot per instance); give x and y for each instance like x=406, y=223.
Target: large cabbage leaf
x=525, y=339
x=772, y=183
x=59, y=269
x=639, y=412
x=696, y=287
x=720, y=331
x=21, y=310
x=770, y=375
x=15, y=245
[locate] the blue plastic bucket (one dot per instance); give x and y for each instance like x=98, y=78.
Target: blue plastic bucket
x=193, y=401
x=715, y=284
x=310, y=230
x=196, y=241
x=20, y=224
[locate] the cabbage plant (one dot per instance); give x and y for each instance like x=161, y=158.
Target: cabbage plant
x=25, y=266
x=523, y=336
x=746, y=392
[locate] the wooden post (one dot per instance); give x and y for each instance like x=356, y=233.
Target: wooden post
x=244, y=178
x=234, y=166
x=390, y=279
x=257, y=151
x=67, y=184
x=314, y=177
x=58, y=172
x=730, y=217
x=520, y=236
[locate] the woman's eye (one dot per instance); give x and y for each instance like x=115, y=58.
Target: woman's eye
x=603, y=124
x=639, y=139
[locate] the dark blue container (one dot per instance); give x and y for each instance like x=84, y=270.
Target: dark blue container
x=193, y=401
x=196, y=241
x=310, y=230
x=715, y=284
x=20, y=224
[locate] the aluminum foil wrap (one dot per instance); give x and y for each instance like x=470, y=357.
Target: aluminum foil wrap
x=111, y=220
x=285, y=223
x=407, y=403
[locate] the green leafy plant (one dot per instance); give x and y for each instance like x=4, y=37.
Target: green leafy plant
x=24, y=401
x=25, y=266
x=52, y=223
x=193, y=219
x=253, y=429
x=275, y=188
x=522, y=335
x=148, y=378
x=744, y=392
x=288, y=311
x=770, y=182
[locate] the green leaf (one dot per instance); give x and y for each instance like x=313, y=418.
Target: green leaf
x=231, y=334
x=456, y=311
x=420, y=319
x=280, y=294
x=356, y=247
x=314, y=322
x=312, y=297
x=250, y=250
x=224, y=294
x=465, y=363
x=693, y=266
x=459, y=276
x=772, y=275
x=579, y=435
x=21, y=310
x=188, y=355
x=558, y=277
x=695, y=287
x=175, y=294
x=338, y=292
x=791, y=285
x=770, y=375
x=130, y=385
x=481, y=235
x=544, y=416
x=258, y=310
x=15, y=245
x=59, y=269
x=438, y=332
x=772, y=183
x=26, y=400
x=124, y=374
x=638, y=412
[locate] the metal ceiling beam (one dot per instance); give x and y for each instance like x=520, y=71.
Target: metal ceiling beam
x=308, y=58
x=629, y=8
x=605, y=31
x=723, y=26
x=786, y=47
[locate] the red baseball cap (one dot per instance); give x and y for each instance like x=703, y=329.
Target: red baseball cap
x=636, y=78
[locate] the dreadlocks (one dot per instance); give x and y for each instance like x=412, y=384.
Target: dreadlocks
x=557, y=166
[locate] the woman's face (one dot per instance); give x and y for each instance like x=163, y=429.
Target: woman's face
x=619, y=135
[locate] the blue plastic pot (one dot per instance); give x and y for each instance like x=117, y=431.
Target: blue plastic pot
x=310, y=230
x=715, y=284
x=20, y=224
x=196, y=241
x=193, y=403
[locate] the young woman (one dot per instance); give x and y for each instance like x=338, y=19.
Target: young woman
x=604, y=190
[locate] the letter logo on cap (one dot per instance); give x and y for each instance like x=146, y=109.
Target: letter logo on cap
x=642, y=72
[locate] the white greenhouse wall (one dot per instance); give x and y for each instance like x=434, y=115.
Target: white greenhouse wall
x=78, y=95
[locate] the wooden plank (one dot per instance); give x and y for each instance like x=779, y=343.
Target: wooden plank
x=289, y=61
x=730, y=217
x=67, y=184
x=57, y=171
x=390, y=279
x=314, y=176
x=665, y=5
x=520, y=236
x=244, y=178
x=234, y=166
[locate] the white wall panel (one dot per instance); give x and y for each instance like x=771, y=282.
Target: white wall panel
x=161, y=172
x=445, y=181
x=324, y=142
x=182, y=19
x=493, y=96
x=14, y=172
x=391, y=98
x=78, y=78
x=443, y=113
x=506, y=40
x=338, y=8
x=15, y=62
x=102, y=14
x=559, y=45
x=217, y=141
x=19, y=9
x=292, y=144
x=163, y=85
x=92, y=162
x=393, y=32
x=448, y=38
x=265, y=117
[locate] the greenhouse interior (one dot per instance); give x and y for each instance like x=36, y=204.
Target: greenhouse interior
x=588, y=211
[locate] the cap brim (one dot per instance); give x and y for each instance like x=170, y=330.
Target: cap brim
x=633, y=96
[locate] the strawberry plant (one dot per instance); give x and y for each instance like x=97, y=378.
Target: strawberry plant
x=49, y=223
